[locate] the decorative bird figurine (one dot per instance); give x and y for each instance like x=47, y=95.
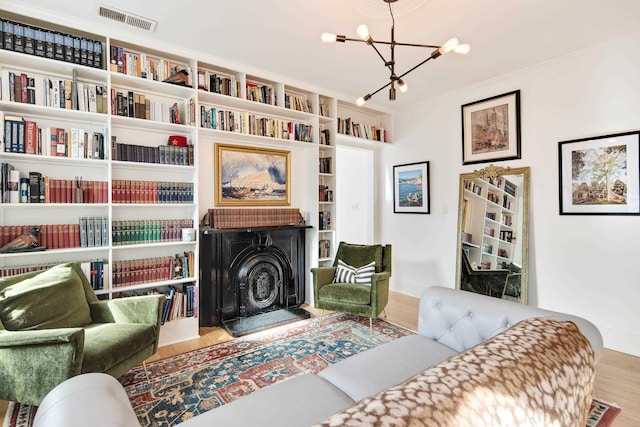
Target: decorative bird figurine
x=26, y=242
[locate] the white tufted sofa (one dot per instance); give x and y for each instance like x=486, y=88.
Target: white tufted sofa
x=450, y=322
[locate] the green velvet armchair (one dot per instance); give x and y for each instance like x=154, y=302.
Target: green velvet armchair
x=53, y=327
x=360, y=297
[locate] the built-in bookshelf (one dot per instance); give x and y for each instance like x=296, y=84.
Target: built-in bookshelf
x=492, y=235
x=115, y=130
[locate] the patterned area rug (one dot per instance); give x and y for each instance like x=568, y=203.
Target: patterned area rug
x=188, y=384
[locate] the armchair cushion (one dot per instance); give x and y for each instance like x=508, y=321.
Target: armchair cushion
x=351, y=293
x=57, y=293
x=348, y=274
x=109, y=344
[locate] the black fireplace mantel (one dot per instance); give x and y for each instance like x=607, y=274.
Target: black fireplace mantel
x=251, y=273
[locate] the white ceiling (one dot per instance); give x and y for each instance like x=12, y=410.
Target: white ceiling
x=283, y=36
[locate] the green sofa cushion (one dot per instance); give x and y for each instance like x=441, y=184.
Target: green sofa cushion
x=108, y=344
x=359, y=255
x=53, y=298
x=346, y=293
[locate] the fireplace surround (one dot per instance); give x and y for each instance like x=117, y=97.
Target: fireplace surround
x=251, y=279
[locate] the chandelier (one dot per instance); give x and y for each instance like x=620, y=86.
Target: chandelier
x=451, y=45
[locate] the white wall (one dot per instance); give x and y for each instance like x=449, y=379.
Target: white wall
x=584, y=265
x=354, y=196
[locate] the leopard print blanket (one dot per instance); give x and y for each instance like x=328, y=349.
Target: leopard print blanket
x=540, y=372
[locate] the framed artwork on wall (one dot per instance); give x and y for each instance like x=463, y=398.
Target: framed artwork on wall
x=600, y=175
x=411, y=188
x=491, y=129
x=247, y=176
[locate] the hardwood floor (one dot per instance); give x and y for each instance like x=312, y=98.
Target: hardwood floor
x=617, y=375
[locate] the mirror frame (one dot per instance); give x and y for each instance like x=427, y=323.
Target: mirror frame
x=492, y=171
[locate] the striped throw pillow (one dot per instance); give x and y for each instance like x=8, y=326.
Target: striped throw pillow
x=348, y=274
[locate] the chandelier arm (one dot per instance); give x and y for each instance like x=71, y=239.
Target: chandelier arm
x=386, y=63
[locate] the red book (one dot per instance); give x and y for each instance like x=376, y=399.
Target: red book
x=178, y=141
x=55, y=236
x=30, y=137
x=76, y=235
x=23, y=88
x=61, y=143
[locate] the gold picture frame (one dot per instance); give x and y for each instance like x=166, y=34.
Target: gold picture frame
x=249, y=176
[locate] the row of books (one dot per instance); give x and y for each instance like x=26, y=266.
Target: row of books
x=129, y=232
x=324, y=109
x=217, y=83
x=47, y=91
x=254, y=217
x=51, y=236
x=251, y=124
x=298, y=103
x=260, y=93
x=469, y=185
x=93, y=270
x=324, y=194
x=149, y=270
x=179, y=303
x=127, y=103
x=25, y=137
x=325, y=137
x=162, y=154
x=135, y=271
x=324, y=220
x=348, y=127
x=139, y=64
x=93, y=231
x=134, y=191
x=324, y=164
x=324, y=248
x=42, y=189
x=39, y=41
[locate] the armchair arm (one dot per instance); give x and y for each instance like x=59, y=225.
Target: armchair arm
x=321, y=276
x=140, y=309
x=379, y=291
x=33, y=362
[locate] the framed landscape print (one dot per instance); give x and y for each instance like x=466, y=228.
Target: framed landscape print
x=600, y=175
x=491, y=129
x=252, y=176
x=411, y=188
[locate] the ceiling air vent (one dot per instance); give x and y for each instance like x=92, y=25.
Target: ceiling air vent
x=127, y=18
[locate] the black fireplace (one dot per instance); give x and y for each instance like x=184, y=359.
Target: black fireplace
x=251, y=279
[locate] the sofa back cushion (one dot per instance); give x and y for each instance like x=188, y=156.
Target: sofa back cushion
x=461, y=319
x=52, y=298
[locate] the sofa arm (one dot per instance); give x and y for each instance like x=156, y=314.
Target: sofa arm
x=33, y=362
x=140, y=309
x=93, y=399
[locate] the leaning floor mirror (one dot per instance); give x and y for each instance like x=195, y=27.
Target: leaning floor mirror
x=493, y=225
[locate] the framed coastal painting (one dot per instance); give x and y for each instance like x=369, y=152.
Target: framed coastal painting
x=411, y=188
x=248, y=176
x=491, y=129
x=600, y=175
